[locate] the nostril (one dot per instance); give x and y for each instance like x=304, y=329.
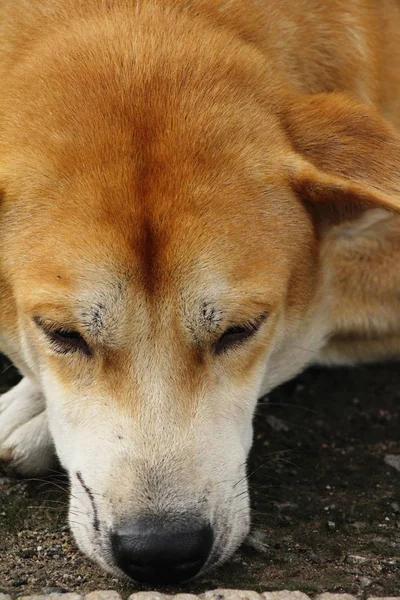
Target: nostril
x=154, y=553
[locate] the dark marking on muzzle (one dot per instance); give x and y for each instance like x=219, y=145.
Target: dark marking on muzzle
x=96, y=522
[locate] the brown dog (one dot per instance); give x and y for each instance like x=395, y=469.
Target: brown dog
x=198, y=199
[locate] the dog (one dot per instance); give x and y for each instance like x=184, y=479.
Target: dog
x=198, y=199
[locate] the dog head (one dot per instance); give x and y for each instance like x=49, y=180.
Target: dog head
x=161, y=221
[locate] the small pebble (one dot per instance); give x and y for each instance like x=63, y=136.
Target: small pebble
x=355, y=559
x=145, y=596
x=384, y=598
x=222, y=594
x=359, y=525
x=277, y=424
x=314, y=557
x=104, y=595
x=328, y=596
x=284, y=595
x=20, y=581
x=393, y=460
x=182, y=597
x=396, y=507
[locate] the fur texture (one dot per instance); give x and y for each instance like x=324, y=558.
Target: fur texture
x=169, y=170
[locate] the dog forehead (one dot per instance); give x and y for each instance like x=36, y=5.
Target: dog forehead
x=146, y=270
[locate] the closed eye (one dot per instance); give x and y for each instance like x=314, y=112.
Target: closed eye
x=64, y=341
x=238, y=334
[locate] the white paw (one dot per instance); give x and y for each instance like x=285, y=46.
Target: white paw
x=25, y=441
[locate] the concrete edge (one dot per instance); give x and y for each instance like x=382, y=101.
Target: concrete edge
x=218, y=594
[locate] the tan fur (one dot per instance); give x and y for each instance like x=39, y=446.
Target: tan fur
x=160, y=156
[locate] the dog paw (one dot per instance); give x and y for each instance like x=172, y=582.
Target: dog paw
x=25, y=441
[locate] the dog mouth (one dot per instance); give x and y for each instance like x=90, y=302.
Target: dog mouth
x=166, y=549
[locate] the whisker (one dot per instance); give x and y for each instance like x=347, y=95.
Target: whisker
x=272, y=486
x=253, y=472
x=54, y=509
x=292, y=424
x=245, y=510
x=289, y=462
x=56, y=485
x=266, y=403
x=7, y=368
x=80, y=524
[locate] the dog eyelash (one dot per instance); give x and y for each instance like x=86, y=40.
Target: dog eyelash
x=64, y=341
x=68, y=341
x=237, y=334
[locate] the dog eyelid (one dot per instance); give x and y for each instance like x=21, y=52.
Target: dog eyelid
x=62, y=339
x=237, y=334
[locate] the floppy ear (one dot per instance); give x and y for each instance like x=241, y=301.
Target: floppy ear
x=346, y=157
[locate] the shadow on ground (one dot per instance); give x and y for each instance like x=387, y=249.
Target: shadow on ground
x=326, y=506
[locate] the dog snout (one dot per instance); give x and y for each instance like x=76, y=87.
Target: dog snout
x=167, y=552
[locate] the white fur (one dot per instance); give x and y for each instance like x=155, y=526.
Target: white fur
x=25, y=440
x=142, y=453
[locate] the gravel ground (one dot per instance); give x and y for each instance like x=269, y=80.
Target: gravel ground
x=325, y=483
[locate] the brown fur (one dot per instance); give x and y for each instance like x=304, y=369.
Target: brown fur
x=168, y=155
x=58, y=79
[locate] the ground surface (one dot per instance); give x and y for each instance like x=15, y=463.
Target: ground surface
x=326, y=504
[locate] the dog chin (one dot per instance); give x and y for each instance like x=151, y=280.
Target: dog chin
x=95, y=550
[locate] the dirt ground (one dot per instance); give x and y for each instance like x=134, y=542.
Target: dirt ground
x=326, y=504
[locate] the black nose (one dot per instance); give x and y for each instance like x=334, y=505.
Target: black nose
x=159, y=553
